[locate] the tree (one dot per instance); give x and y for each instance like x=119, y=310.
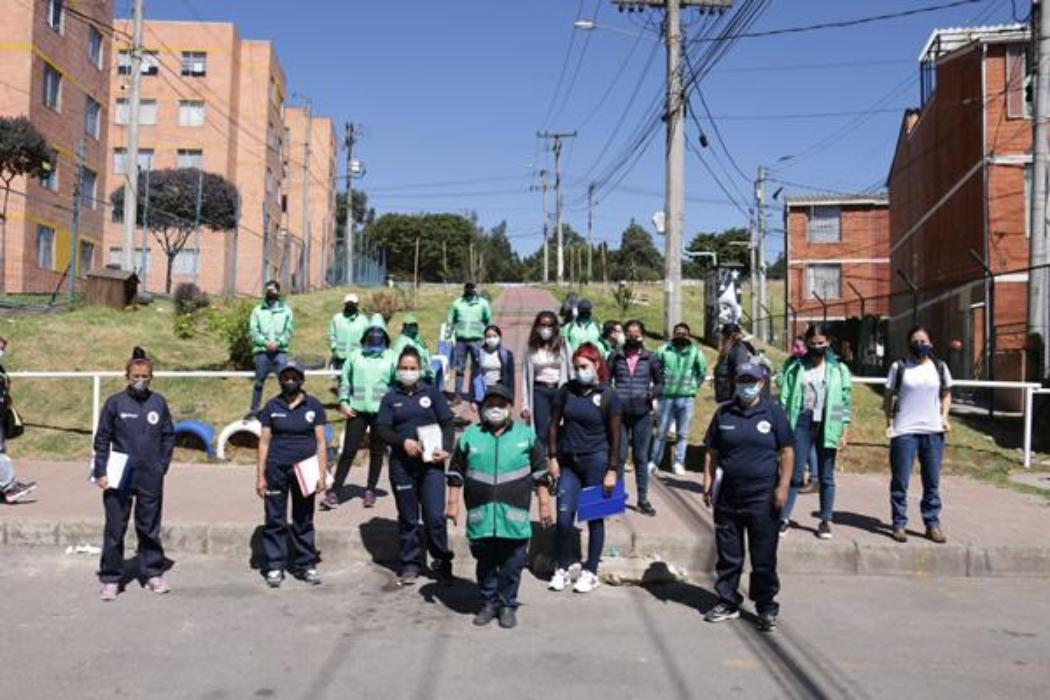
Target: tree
x=732, y=247
x=533, y=264
x=500, y=262
x=23, y=151
x=444, y=245
x=778, y=270
x=638, y=258
x=173, y=213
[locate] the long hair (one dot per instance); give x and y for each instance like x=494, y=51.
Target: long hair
x=536, y=342
x=592, y=353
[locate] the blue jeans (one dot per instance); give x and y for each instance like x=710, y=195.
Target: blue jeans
x=542, y=407
x=464, y=350
x=636, y=432
x=903, y=449
x=264, y=364
x=809, y=438
x=680, y=411
x=578, y=472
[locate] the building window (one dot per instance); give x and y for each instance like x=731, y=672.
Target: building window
x=185, y=262
x=194, y=64
x=87, y=257
x=150, y=63
x=52, y=87
x=825, y=281
x=1019, y=84
x=191, y=112
x=823, y=225
x=147, y=112
x=94, y=47
x=120, y=156
x=116, y=257
x=89, y=188
x=45, y=247
x=49, y=181
x=54, y=14
x=189, y=158
x=123, y=62
x=92, y=118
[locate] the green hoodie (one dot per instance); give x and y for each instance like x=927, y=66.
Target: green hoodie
x=367, y=377
x=271, y=323
x=344, y=333
x=838, y=403
x=684, y=371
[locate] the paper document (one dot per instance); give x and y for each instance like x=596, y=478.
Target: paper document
x=308, y=473
x=116, y=465
x=430, y=440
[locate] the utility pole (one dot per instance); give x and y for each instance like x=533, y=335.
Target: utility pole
x=557, y=137
x=144, y=253
x=546, y=224
x=753, y=250
x=306, y=198
x=760, y=247
x=1039, y=248
x=590, y=226
x=348, y=236
x=265, y=239
x=131, y=154
x=74, y=238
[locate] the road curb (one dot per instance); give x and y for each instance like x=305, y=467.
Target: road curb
x=629, y=557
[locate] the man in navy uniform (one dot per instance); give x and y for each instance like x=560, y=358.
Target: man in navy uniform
x=747, y=474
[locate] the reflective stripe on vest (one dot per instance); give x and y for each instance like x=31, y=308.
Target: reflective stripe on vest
x=505, y=477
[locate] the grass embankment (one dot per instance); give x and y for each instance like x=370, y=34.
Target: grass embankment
x=58, y=411
x=977, y=446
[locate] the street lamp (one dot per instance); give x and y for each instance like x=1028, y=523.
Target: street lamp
x=588, y=25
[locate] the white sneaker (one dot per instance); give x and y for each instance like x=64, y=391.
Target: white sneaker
x=678, y=469
x=559, y=580
x=574, y=572
x=651, y=467
x=586, y=583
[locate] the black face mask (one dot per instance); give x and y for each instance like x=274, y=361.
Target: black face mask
x=350, y=309
x=291, y=387
x=272, y=297
x=633, y=342
x=817, y=352
x=681, y=342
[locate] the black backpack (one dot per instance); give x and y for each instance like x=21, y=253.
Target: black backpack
x=902, y=364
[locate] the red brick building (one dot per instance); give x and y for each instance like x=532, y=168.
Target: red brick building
x=958, y=189
x=837, y=248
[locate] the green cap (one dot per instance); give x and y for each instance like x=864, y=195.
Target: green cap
x=377, y=322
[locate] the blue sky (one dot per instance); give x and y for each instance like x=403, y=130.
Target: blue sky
x=454, y=92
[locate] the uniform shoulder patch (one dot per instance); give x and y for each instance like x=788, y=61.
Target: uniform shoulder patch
x=153, y=417
x=425, y=402
x=764, y=427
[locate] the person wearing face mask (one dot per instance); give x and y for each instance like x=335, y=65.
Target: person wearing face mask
x=271, y=328
x=638, y=377
x=11, y=489
x=417, y=480
x=685, y=370
x=817, y=394
x=583, y=448
x=467, y=318
x=495, y=362
x=345, y=330
x=410, y=337
x=918, y=399
x=583, y=328
x=747, y=475
x=497, y=465
x=546, y=367
x=293, y=426
x=732, y=353
x=367, y=375
x=612, y=339
x=134, y=427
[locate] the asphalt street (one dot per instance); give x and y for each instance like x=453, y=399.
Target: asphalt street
x=223, y=634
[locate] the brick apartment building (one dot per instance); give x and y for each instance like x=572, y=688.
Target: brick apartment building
x=958, y=186
x=837, y=247
x=212, y=100
x=54, y=69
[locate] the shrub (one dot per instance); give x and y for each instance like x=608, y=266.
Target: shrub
x=232, y=326
x=625, y=297
x=189, y=299
x=387, y=302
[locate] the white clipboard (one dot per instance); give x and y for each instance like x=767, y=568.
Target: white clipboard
x=116, y=466
x=308, y=473
x=430, y=440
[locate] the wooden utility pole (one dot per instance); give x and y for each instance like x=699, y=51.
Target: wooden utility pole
x=557, y=139
x=591, y=189
x=74, y=238
x=546, y=224
x=415, y=295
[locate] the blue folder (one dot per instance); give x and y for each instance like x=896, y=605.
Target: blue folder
x=478, y=388
x=595, y=504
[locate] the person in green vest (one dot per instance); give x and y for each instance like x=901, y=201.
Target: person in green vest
x=410, y=337
x=367, y=375
x=497, y=464
x=685, y=369
x=583, y=328
x=271, y=327
x=345, y=330
x=817, y=395
x=467, y=318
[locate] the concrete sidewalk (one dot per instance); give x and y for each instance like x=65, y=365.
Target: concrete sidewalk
x=214, y=510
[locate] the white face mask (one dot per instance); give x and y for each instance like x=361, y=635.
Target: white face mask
x=619, y=338
x=545, y=334
x=496, y=415
x=408, y=377
x=492, y=342
x=586, y=376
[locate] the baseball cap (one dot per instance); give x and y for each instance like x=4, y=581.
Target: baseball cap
x=584, y=305
x=351, y=299
x=292, y=365
x=500, y=391
x=750, y=369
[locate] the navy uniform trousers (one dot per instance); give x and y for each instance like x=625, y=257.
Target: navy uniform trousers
x=753, y=516
x=277, y=533
x=144, y=495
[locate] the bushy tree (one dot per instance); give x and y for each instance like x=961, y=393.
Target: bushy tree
x=444, y=245
x=730, y=245
x=23, y=151
x=638, y=257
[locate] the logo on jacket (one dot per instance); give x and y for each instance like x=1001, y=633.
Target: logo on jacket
x=153, y=418
x=425, y=402
x=763, y=427
x=310, y=415
x=597, y=399
x=125, y=416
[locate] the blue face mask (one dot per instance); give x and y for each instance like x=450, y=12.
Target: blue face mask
x=374, y=345
x=921, y=350
x=748, y=392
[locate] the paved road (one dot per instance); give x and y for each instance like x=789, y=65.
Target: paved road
x=223, y=634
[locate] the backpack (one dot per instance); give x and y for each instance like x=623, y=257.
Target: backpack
x=900, y=366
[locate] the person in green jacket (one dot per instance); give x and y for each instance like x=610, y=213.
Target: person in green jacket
x=367, y=375
x=410, y=336
x=817, y=395
x=583, y=328
x=497, y=464
x=271, y=328
x=345, y=330
x=685, y=369
x=467, y=318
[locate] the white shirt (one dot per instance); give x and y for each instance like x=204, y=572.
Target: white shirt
x=919, y=398
x=491, y=366
x=546, y=367
x=815, y=390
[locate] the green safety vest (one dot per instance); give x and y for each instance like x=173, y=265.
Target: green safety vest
x=684, y=371
x=275, y=324
x=838, y=403
x=498, y=481
x=467, y=319
x=402, y=342
x=345, y=333
x=366, y=379
x=576, y=334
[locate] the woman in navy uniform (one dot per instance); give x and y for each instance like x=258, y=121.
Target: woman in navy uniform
x=747, y=474
x=135, y=425
x=292, y=432
x=418, y=483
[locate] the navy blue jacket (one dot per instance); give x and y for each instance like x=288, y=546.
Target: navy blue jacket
x=401, y=412
x=141, y=428
x=637, y=391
